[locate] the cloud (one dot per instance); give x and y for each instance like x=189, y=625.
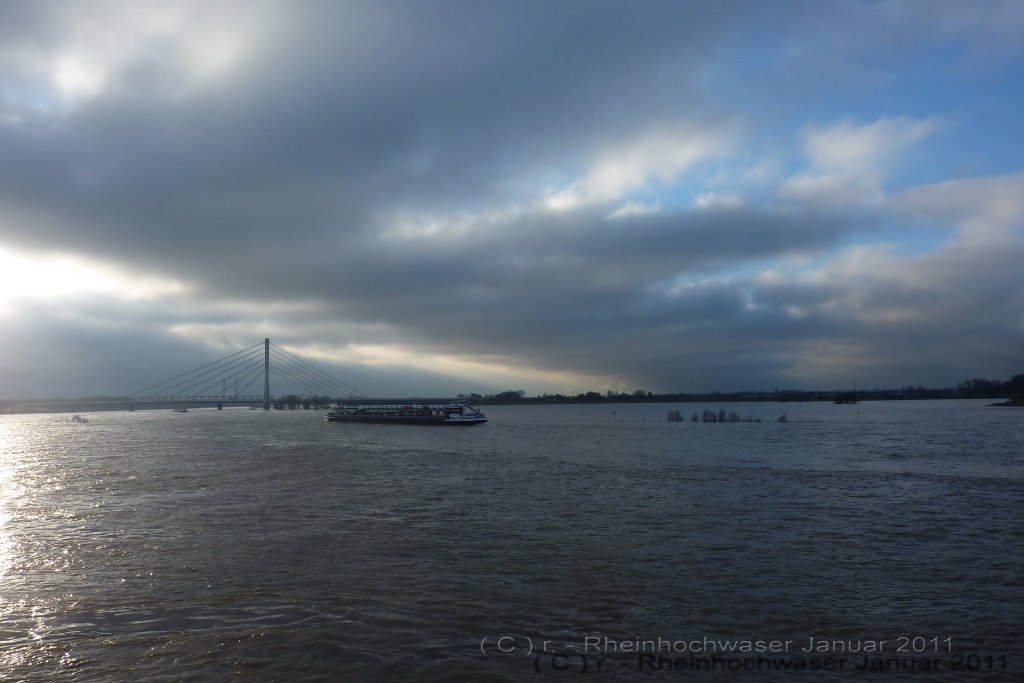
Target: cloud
x=568, y=194
x=986, y=209
x=634, y=209
x=724, y=200
x=984, y=33
x=849, y=161
x=886, y=317
x=144, y=49
x=659, y=154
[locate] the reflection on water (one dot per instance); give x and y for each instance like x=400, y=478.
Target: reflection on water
x=241, y=545
x=7, y=494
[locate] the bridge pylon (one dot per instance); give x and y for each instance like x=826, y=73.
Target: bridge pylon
x=266, y=373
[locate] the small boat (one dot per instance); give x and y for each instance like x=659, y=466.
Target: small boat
x=79, y=418
x=408, y=413
x=181, y=410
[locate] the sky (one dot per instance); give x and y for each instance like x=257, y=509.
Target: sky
x=452, y=197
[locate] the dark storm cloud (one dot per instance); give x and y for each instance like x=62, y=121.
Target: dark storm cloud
x=330, y=119
x=577, y=267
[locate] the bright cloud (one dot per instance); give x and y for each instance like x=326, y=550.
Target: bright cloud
x=28, y=280
x=848, y=161
x=156, y=47
x=718, y=200
x=657, y=155
x=634, y=209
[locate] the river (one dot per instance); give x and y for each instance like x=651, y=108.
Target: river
x=250, y=545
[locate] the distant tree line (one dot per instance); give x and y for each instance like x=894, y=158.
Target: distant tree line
x=991, y=388
x=294, y=402
x=971, y=388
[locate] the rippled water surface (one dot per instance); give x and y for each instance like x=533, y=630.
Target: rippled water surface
x=244, y=545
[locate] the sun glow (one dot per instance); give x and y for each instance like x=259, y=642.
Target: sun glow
x=49, y=278
x=490, y=369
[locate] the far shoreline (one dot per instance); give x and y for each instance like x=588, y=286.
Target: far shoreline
x=106, y=404
x=1017, y=402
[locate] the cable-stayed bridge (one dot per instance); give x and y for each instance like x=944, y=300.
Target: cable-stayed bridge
x=232, y=378
x=241, y=378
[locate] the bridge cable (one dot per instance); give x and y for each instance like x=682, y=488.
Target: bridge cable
x=317, y=370
x=253, y=374
x=152, y=386
x=222, y=367
x=298, y=375
x=299, y=372
x=257, y=362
